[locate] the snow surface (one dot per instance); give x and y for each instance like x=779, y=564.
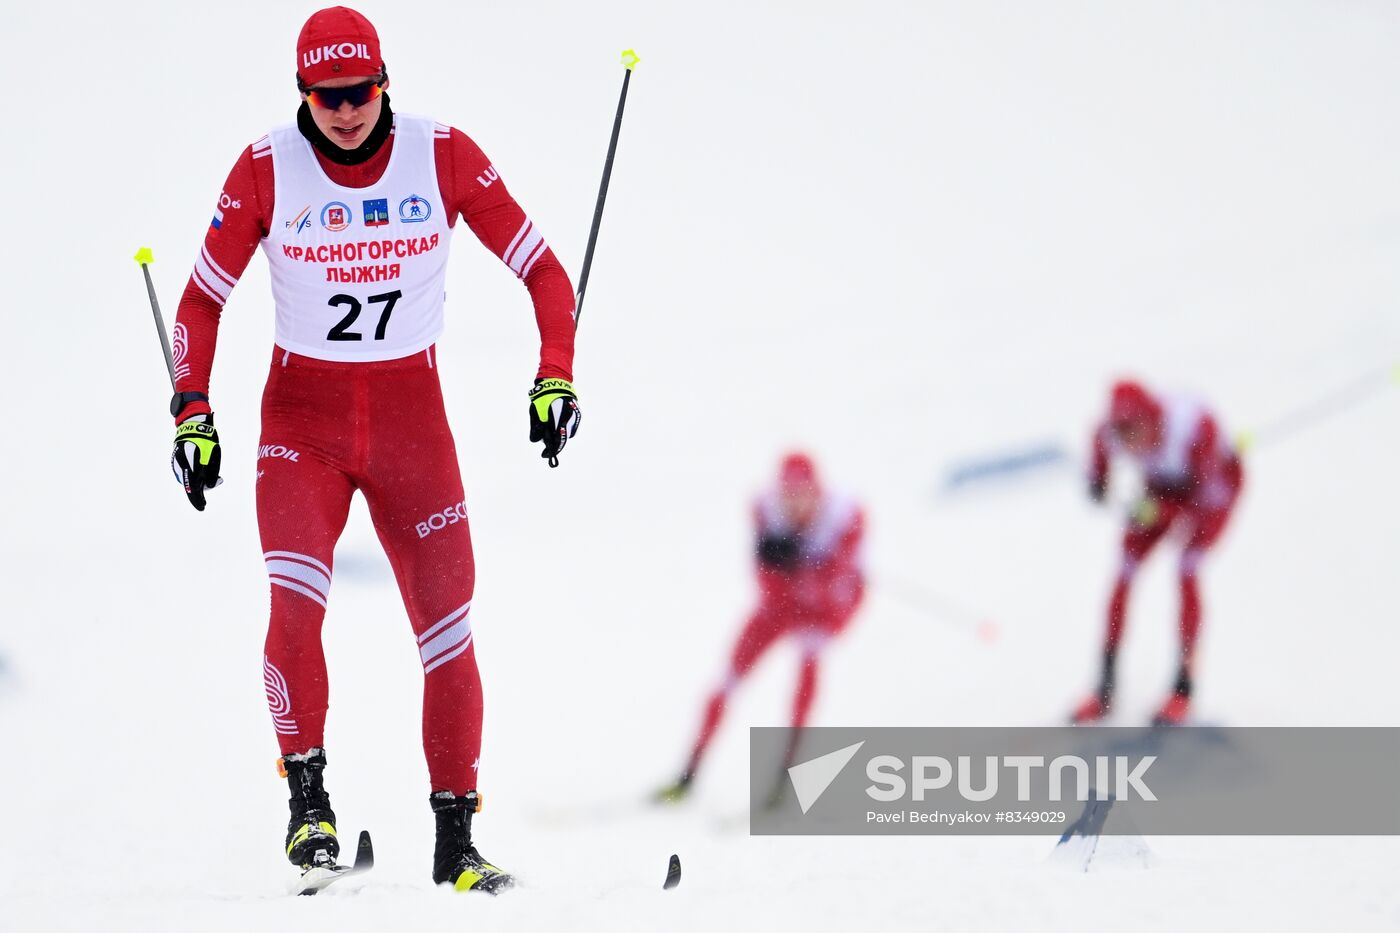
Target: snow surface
x=895, y=233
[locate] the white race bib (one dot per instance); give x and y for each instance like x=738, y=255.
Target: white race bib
x=358, y=274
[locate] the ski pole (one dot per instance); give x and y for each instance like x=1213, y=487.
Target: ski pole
x=1305, y=417
x=934, y=605
x=629, y=61
x=144, y=258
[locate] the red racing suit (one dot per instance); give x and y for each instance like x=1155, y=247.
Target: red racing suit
x=331, y=428
x=1193, y=478
x=814, y=588
x=811, y=581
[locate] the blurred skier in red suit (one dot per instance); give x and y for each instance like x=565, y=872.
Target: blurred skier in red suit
x=810, y=579
x=1193, y=478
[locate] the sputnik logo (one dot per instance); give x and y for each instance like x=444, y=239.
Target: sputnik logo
x=811, y=778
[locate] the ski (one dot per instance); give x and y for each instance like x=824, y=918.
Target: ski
x=673, y=874
x=319, y=877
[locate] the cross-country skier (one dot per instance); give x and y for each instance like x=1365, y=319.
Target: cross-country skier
x=810, y=580
x=1193, y=477
x=354, y=206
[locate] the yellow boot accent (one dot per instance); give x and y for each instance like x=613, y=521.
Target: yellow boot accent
x=467, y=880
x=301, y=835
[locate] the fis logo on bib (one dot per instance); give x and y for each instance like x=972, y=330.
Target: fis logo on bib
x=335, y=216
x=301, y=221
x=377, y=212
x=414, y=210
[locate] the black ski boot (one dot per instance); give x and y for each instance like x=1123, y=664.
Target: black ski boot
x=311, y=840
x=455, y=859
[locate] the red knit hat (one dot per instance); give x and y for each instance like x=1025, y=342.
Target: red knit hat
x=1133, y=404
x=337, y=42
x=798, y=472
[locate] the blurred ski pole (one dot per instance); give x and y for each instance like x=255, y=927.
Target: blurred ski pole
x=1308, y=415
x=629, y=61
x=1017, y=463
x=144, y=258
x=938, y=606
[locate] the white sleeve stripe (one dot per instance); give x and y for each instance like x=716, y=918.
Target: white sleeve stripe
x=201, y=269
x=212, y=278
x=534, y=258
x=194, y=277
x=525, y=250
x=519, y=234
x=232, y=280
x=262, y=153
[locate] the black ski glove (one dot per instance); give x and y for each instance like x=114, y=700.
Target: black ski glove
x=195, y=460
x=554, y=416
